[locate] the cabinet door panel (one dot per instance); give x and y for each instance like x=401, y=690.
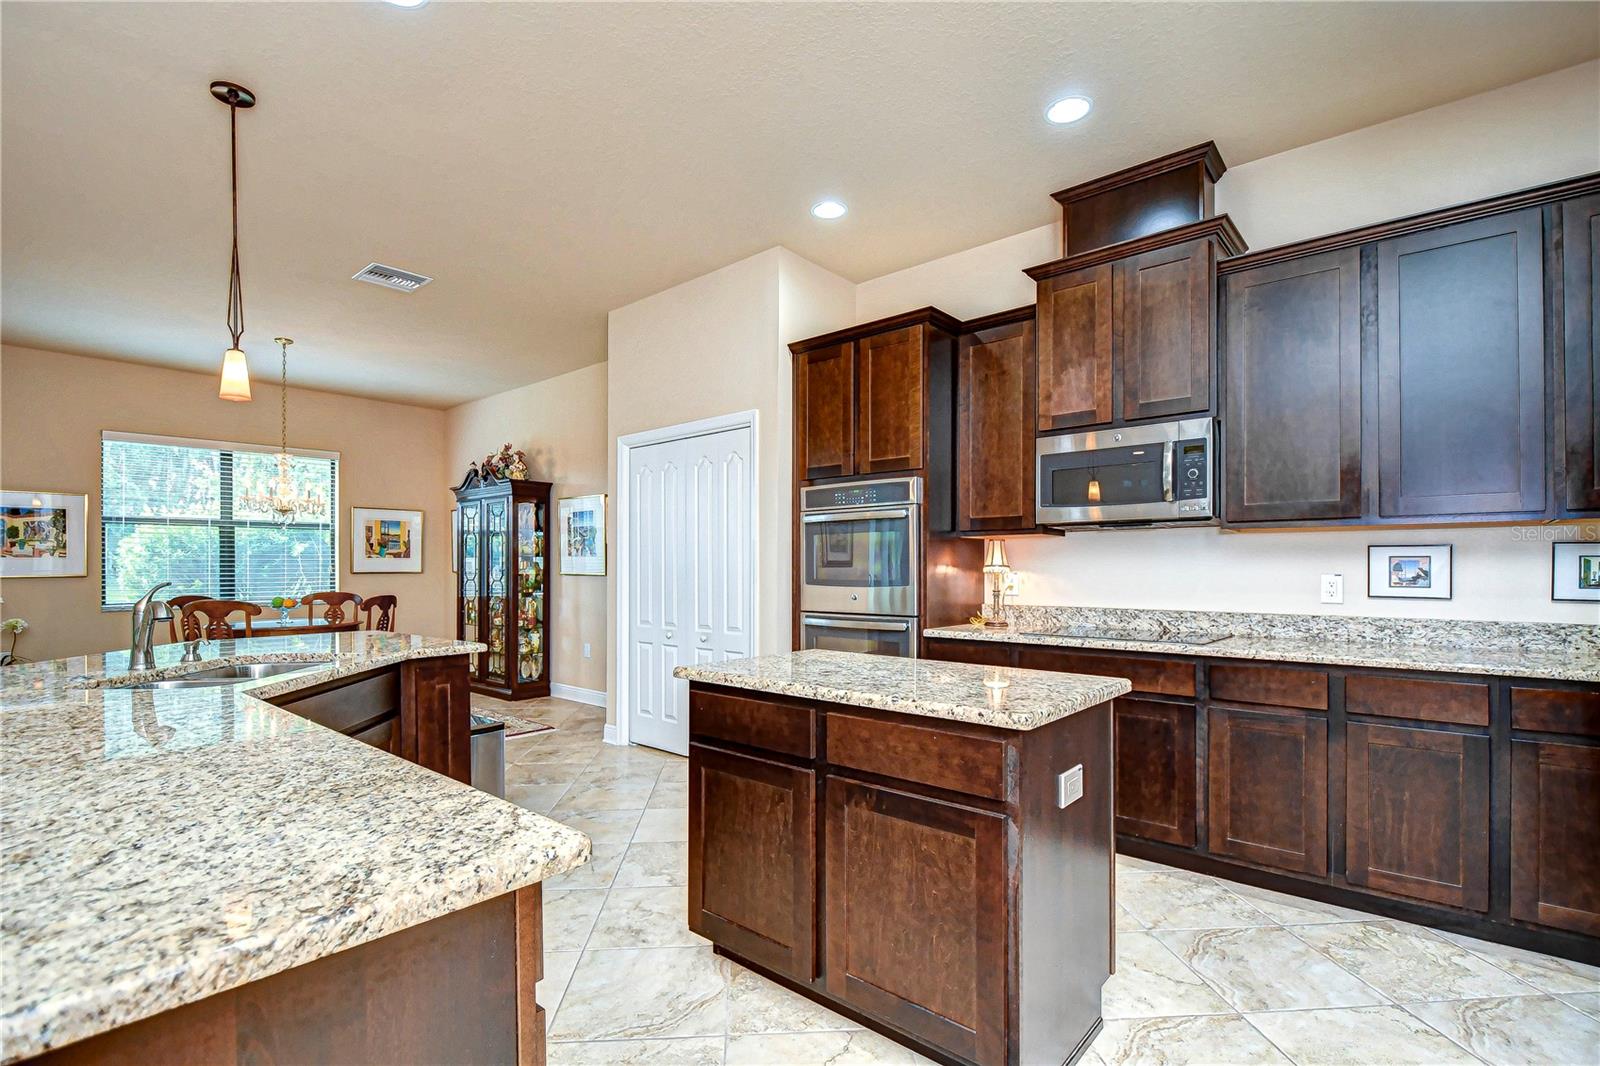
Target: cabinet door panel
x=1155, y=796
x=1461, y=369
x=1418, y=813
x=825, y=409
x=1268, y=788
x=1075, y=349
x=890, y=389
x=994, y=428
x=1293, y=372
x=1581, y=256
x=752, y=858
x=1555, y=835
x=1164, y=302
x=916, y=915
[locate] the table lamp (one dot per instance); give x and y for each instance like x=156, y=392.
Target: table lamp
x=995, y=570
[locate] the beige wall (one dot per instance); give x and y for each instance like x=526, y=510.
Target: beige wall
x=561, y=423
x=1526, y=134
x=53, y=408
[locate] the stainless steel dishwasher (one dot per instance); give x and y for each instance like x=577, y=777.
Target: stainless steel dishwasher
x=489, y=755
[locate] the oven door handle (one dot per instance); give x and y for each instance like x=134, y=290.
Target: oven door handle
x=841, y=623
x=854, y=516
x=1166, y=470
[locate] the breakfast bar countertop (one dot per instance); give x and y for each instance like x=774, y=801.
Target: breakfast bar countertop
x=960, y=692
x=164, y=845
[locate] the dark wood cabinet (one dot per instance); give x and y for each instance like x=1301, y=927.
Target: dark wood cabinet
x=825, y=411
x=1417, y=813
x=891, y=391
x=1580, y=224
x=1164, y=303
x=995, y=371
x=1155, y=791
x=752, y=860
x=1074, y=349
x=1268, y=786
x=1461, y=369
x=1555, y=834
x=1292, y=412
x=503, y=583
x=916, y=914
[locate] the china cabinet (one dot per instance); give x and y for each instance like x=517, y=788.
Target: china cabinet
x=502, y=532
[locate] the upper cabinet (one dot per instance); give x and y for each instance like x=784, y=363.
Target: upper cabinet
x=994, y=424
x=1580, y=227
x=1461, y=369
x=876, y=398
x=1163, y=300
x=1293, y=404
x=1075, y=349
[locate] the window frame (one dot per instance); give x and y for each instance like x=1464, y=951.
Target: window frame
x=225, y=524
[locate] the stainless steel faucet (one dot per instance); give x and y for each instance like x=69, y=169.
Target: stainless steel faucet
x=147, y=611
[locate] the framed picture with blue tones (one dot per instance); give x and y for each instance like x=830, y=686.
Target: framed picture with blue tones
x=1409, y=571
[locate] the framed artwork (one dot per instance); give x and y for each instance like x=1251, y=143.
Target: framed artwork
x=1575, y=571
x=385, y=541
x=1409, y=571
x=46, y=534
x=583, y=534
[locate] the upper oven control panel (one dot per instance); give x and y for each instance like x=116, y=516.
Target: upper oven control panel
x=853, y=495
x=1192, y=474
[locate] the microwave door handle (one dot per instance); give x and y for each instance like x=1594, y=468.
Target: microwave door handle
x=1166, y=471
x=841, y=623
x=853, y=516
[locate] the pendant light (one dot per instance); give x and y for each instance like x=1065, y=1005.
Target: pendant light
x=235, y=371
x=280, y=501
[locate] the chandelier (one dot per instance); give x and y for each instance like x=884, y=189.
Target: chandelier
x=235, y=371
x=280, y=500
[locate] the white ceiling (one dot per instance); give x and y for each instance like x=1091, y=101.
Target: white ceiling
x=547, y=163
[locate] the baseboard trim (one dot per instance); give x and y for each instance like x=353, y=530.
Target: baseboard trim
x=611, y=733
x=592, y=696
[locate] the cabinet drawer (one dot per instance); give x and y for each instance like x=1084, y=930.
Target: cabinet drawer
x=1549, y=710
x=1275, y=686
x=1164, y=677
x=981, y=652
x=1456, y=702
x=781, y=727
x=959, y=762
x=350, y=707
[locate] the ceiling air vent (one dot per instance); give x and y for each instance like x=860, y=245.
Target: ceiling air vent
x=391, y=277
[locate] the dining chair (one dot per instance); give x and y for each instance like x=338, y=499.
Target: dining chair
x=385, y=606
x=210, y=618
x=333, y=606
x=176, y=604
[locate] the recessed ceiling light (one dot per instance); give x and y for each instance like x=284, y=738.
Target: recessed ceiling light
x=829, y=209
x=1068, y=109
x=406, y=3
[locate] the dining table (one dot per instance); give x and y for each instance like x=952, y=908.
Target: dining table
x=283, y=627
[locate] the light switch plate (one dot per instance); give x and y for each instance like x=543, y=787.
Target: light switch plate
x=1069, y=786
x=1332, y=588
x=586, y=654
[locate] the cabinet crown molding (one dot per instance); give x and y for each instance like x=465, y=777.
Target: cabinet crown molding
x=1219, y=228
x=922, y=316
x=1205, y=153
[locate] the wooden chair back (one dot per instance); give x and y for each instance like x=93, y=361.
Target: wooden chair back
x=385, y=606
x=210, y=618
x=176, y=605
x=333, y=606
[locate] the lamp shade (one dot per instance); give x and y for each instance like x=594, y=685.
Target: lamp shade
x=994, y=556
x=235, y=377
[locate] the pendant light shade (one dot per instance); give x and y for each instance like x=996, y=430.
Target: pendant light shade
x=235, y=377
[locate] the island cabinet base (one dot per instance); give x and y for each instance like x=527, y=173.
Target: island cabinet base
x=455, y=989
x=916, y=874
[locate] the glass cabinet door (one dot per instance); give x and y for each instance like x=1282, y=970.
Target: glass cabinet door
x=496, y=530
x=470, y=575
x=530, y=590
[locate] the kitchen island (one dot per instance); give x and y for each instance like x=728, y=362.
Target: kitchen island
x=925, y=847
x=194, y=873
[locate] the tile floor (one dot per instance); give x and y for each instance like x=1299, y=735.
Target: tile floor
x=1209, y=971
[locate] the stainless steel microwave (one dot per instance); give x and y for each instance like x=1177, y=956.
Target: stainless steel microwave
x=1149, y=473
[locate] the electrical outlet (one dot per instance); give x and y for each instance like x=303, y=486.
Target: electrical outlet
x=1013, y=584
x=586, y=654
x=1069, y=786
x=1332, y=588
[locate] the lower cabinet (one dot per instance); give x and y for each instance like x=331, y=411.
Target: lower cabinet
x=1268, y=788
x=1417, y=813
x=916, y=914
x=752, y=858
x=1155, y=793
x=1555, y=834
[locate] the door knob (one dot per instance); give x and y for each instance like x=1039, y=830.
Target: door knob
x=669, y=635
x=704, y=637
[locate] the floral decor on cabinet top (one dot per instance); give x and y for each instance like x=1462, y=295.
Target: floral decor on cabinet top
x=505, y=464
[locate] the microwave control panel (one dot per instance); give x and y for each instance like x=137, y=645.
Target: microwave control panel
x=1193, y=470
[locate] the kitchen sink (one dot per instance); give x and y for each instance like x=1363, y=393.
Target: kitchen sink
x=231, y=674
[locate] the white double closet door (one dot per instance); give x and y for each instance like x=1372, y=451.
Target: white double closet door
x=690, y=573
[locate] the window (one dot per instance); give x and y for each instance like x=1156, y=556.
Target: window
x=173, y=510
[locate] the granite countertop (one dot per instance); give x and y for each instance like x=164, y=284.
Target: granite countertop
x=960, y=692
x=1552, y=651
x=164, y=845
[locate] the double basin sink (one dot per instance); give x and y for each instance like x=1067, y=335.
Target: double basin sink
x=230, y=674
